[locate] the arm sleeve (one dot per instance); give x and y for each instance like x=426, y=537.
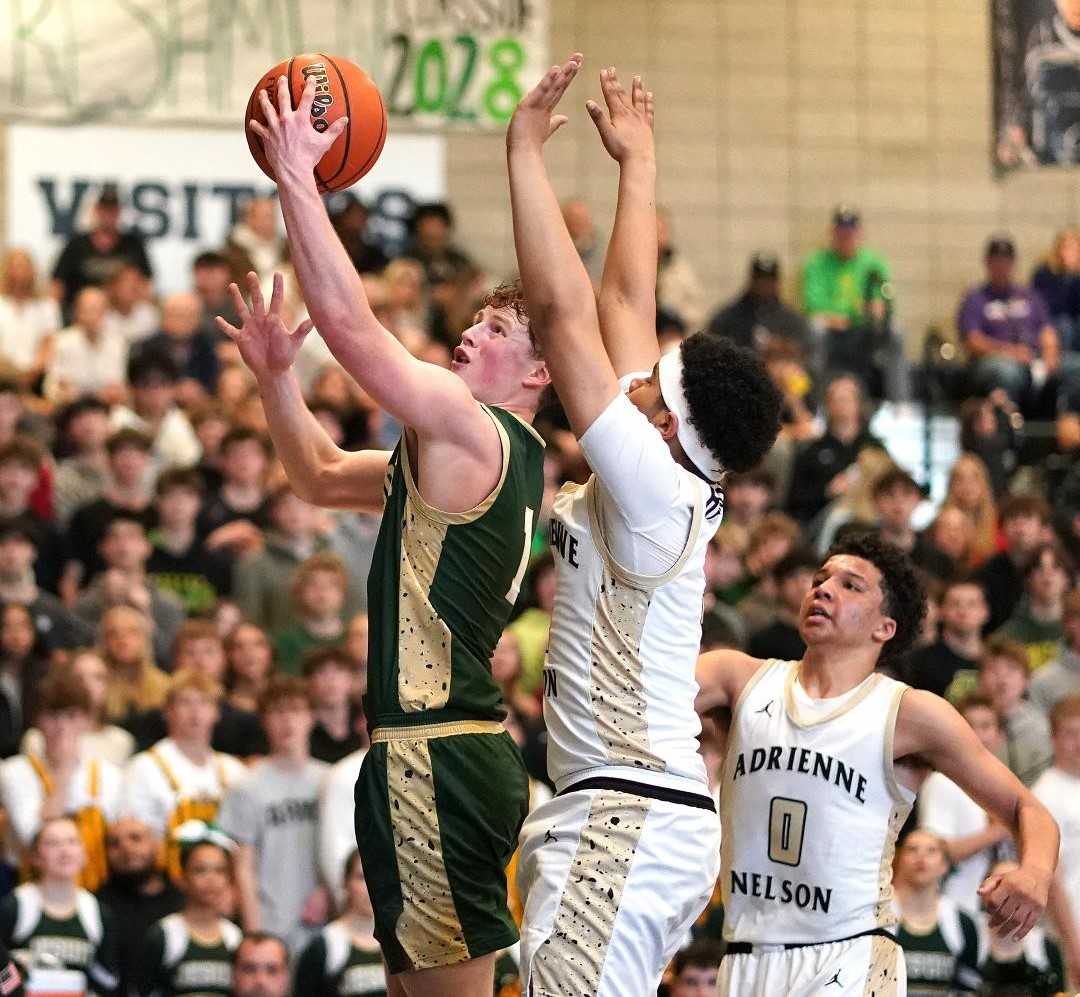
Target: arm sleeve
x=147, y=978
x=634, y=464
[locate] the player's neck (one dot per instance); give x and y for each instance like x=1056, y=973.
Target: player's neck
x=826, y=672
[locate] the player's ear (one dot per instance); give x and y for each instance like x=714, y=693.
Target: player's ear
x=538, y=377
x=667, y=422
x=885, y=630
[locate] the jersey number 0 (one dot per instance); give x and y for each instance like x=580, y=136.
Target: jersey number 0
x=787, y=826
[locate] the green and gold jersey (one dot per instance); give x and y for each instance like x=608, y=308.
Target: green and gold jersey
x=332, y=965
x=175, y=964
x=442, y=586
x=83, y=942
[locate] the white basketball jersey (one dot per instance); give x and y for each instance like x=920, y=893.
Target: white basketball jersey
x=619, y=673
x=810, y=809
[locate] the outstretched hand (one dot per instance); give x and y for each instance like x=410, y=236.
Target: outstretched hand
x=265, y=343
x=1015, y=901
x=290, y=141
x=627, y=128
x=534, y=122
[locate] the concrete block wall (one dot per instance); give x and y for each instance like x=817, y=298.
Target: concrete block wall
x=769, y=112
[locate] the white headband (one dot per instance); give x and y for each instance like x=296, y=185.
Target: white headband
x=671, y=388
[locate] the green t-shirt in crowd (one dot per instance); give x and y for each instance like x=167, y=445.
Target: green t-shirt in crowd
x=837, y=286
x=292, y=644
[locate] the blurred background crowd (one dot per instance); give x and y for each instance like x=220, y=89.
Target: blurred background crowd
x=183, y=641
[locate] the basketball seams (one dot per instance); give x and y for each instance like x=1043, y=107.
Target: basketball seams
x=360, y=171
x=348, y=113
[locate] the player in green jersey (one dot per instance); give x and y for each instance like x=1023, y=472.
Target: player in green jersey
x=443, y=791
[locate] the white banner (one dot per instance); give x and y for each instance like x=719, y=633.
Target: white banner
x=439, y=63
x=181, y=187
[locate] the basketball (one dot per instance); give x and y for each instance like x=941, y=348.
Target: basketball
x=341, y=88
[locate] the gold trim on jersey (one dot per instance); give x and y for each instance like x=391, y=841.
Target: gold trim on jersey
x=571, y=959
x=592, y=502
x=526, y=426
x=884, y=912
x=883, y=974
x=899, y=793
x=470, y=515
x=428, y=929
x=859, y=693
x=425, y=732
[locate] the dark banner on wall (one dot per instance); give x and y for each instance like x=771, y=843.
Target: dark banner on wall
x=1036, y=52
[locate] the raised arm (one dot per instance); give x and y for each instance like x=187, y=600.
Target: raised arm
x=929, y=728
x=430, y=400
x=628, y=288
x=721, y=677
x=319, y=471
x=562, y=308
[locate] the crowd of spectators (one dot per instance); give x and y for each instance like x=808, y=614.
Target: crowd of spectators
x=183, y=640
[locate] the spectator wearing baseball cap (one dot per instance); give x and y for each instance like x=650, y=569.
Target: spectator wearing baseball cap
x=1010, y=341
x=758, y=316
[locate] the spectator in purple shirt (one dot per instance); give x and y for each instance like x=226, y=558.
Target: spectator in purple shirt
x=1009, y=338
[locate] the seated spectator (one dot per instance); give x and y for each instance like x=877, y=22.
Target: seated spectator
x=1036, y=622
x=350, y=218
x=896, y=497
x=153, y=378
x=87, y=358
x=137, y=891
x=579, y=223
x=179, y=563
x=952, y=536
x=28, y=318
x=531, y=627
x=758, y=316
x=181, y=778
x=1032, y=967
x=854, y=510
x=53, y=922
x=24, y=659
x=1003, y=678
x=345, y=958
x=91, y=257
x=57, y=626
x=1058, y=789
x=100, y=739
x=242, y=498
x=210, y=281
x=337, y=825
x=971, y=840
x=820, y=470
x=1057, y=279
x=338, y=728
x=960, y=645
x=781, y=639
x=771, y=540
x=124, y=582
x=263, y=580
x=20, y=469
x=272, y=813
x=506, y=671
x=1025, y=522
x=405, y=310
x=1006, y=328
x=695, y=969
x=356, y=643
x=941, y=943
x=987, y=432
x=261, y=967
x=81, y=476
x=191, y=951
x=678, y=288
x=1060, y=677
x=128, y=492
x=131, y=315
x=255, y=244
x=62, y=780
x=432, y=243
x=210, y=424
x=190, y=349
x=747, y=497
x=250, y=662
x=318, y=592
x=135, y=683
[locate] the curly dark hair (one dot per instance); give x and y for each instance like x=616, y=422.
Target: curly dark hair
x=904, y=597
x=734, y=405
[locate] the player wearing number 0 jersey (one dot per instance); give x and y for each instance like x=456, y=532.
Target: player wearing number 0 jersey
x=443, y=790
x=615, y=869
x=823, y=760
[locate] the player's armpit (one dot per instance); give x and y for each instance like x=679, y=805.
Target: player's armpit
x=721, y=677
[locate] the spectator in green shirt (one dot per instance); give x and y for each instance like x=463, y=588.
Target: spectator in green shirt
x=319, y=594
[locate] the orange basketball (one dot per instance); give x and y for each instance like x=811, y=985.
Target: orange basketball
x=341, y=88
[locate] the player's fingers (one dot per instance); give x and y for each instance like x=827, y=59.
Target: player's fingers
x=307, y=98
x=277, y=294
x=599, y=118
x=335, y=130
x=259, y=129
x=1026, y=924
x=637, y=94
x=301, y=331
x=649, y=107
x=609, y=87
x=239, y=303
x=988, y=886
x=284, y=97
x=556, y=122
x=269, y=114
x=258, y=305
x=229, y=330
